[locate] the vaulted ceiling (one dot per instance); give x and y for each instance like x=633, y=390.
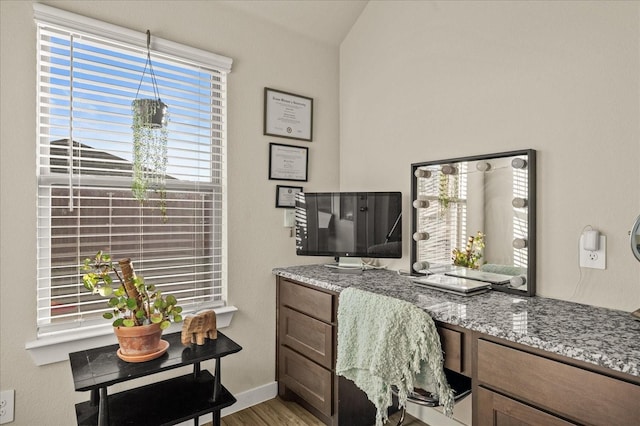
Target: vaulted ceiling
x=324, y=20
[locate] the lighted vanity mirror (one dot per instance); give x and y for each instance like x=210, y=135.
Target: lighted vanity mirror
x=475, y=217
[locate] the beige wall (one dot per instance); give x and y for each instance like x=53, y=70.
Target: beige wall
x=263, y=55
x=425, y=81
x=418, y=81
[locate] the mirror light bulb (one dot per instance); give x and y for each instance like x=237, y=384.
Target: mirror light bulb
x=519, y=243
x=519, y=163
x=421, y=173
x=421, y=236
x=517, y=281
x=483, y=166
x=420, y=203
x=448, y=169
x=421, y=266
x=519, y=202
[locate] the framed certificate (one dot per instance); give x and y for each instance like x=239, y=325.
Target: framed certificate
x=287, y=115
x=286, y=196
x=288, y=162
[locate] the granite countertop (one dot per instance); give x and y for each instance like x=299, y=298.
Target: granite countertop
x=605, y=337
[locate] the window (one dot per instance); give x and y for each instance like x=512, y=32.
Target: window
x=88, y=74
x=446, y=217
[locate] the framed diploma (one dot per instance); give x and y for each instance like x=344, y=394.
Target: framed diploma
x=287, y=115
x=288, y=162
x=286, y=196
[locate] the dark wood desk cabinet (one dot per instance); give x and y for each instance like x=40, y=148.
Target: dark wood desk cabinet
x=512, y=384
x=517, y=385
x=306, y=355
x=306, y=347
x=162, y=403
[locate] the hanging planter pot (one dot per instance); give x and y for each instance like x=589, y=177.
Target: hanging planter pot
x=150, y=113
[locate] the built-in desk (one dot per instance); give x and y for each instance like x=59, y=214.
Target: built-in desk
x=532, y=360
x=162, y=403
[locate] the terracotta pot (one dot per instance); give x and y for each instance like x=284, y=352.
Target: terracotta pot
x=139, y=341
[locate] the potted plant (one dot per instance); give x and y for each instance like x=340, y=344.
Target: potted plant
x=140, y=311
x=471, y=255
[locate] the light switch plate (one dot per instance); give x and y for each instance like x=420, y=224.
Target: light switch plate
x=289, y=218
x=596, y=259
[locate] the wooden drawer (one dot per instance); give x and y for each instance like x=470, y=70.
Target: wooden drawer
x=307, y=379
x=312, y=302
x=498, y=410
x=308, y=336
x=578, y=394
x=451, y=342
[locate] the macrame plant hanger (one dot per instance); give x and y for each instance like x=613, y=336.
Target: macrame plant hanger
x=150, y=119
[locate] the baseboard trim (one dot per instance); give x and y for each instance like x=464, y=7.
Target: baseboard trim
x=244, y=399
x=252, y=397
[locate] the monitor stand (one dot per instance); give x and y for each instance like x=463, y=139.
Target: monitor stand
x=347, y=265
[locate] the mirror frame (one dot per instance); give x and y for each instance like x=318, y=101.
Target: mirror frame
x=635, y=230
x=531, y=212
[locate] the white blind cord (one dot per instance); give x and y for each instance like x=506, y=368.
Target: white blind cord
x=71, y=41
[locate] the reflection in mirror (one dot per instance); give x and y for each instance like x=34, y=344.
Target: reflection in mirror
x=635, y=239
x=475, y=217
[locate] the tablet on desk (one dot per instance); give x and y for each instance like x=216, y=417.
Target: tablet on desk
x=453, y=284
x=474, y=274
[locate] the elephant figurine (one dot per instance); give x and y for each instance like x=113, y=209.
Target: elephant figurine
x=196, y=327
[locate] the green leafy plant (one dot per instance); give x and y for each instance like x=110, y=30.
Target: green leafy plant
x=133, y=302
x=471, y=255
x=448, y=188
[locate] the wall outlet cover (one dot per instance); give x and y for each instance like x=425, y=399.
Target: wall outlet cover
x=6, y=406
x=596, y=259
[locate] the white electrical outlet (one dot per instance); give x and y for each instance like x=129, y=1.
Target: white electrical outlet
x=596, y=259
x=6, y=406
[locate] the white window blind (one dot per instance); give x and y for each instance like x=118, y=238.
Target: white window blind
x=85, y=87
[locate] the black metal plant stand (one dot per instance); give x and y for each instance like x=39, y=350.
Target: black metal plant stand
x=166, y=402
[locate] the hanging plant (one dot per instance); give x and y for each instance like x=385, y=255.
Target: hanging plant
x=443, y=191
x=149, y=149
x=149, y=152
x=150, y=119
x=447, y=190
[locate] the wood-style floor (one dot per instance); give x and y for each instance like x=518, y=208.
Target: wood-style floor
x=277, y=412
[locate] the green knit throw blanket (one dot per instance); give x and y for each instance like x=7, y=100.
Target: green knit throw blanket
x=385, y=342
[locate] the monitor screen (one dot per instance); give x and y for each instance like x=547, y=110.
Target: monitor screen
x=343, y=224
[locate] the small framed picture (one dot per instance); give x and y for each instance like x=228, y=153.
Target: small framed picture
x=288, y=162
x=287, y=115
x=286, y=196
